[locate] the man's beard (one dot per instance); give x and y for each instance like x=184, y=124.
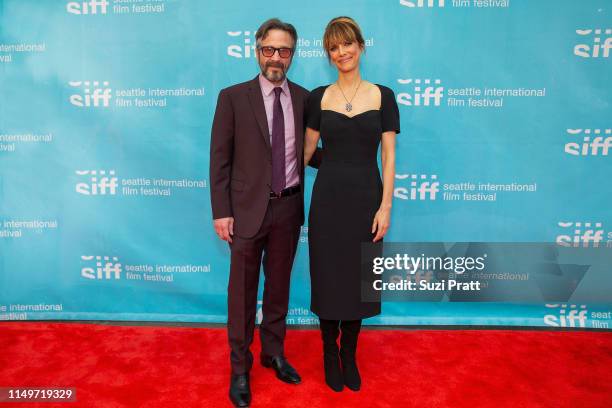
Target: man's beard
x=273, y=76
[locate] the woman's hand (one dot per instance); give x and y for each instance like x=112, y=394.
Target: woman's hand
x=381, y=223
x=310, y=144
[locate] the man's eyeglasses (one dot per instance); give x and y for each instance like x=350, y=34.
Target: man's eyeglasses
x=282, y=52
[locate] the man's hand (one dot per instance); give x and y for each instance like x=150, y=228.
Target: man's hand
x=224, y=227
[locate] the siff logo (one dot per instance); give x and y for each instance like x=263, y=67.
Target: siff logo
x=421, y=97
x=244, y=50
x=568, y=315
x=106, y=268
x=99, y=183
x=596, y=49
x=583, y=233
x=422, y=3
x=588, y=146
x=99, y=96
x=422, y=187
x=87, y=7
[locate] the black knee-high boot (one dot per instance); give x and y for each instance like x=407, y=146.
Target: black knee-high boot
x=348, y=353
x=331, y=360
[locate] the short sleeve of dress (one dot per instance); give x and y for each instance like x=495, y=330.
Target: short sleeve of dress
x=313, y=108
x=389, y=110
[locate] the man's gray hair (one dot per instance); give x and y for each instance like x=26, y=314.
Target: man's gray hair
x=275, y=24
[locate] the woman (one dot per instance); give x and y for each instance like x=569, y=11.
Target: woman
x=350, y=205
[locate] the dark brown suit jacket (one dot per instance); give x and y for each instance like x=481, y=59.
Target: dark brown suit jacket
x=241, y=155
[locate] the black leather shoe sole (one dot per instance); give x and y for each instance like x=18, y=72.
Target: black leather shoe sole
x=268, y=364
x=237, y=403
x=288, y=380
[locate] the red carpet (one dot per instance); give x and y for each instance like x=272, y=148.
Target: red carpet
x=132, y=366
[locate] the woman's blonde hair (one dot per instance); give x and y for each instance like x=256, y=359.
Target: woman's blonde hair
x=340, y=30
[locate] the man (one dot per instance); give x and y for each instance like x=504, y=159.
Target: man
x=256, y=179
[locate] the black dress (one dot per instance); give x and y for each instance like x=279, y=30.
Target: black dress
x=346, y=195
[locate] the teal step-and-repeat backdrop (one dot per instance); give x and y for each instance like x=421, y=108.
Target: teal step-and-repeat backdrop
x=105, y=116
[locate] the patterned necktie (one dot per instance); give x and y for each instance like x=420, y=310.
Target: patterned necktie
x=278, y=144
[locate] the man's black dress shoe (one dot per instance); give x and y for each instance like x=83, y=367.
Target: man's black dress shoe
x=240, y=390
x=284, y=371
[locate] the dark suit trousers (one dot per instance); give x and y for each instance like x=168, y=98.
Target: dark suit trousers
x=276, y=241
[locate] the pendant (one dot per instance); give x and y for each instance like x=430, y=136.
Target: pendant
x=349, y=107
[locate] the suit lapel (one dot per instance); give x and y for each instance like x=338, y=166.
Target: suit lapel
x=298, y=124
x=259, y=109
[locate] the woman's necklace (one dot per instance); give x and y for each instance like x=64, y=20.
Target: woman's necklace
x=349, y=106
